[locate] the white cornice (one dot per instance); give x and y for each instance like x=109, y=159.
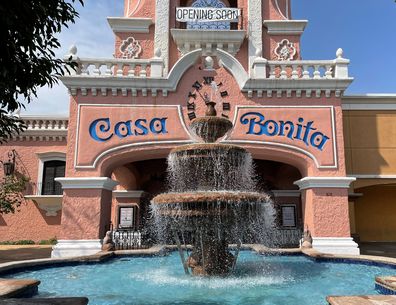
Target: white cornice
x=87, y=183
x=369, y=102
x=130, y=25
x=285, y=27
x=127, y=194
x=324, y=182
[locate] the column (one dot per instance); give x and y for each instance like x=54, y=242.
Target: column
x=86, y=212
x=326, y=213
x=161, y=33
x=255, y=30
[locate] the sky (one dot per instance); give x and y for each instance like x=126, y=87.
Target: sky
x=364, y=29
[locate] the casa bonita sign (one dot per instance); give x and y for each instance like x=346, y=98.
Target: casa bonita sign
x=207, y=14
x=102, y=130
x=302, y=131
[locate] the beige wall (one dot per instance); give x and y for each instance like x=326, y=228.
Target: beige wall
x=375, y=213
x=370, y=149
x=370, y=142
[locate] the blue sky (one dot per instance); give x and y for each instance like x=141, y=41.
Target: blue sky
x=365, y=29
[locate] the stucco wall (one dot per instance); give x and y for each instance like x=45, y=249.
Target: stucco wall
x=29, y=222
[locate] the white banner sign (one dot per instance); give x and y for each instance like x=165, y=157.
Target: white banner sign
x=207, y=14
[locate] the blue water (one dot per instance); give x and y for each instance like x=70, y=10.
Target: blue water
x=266, y=280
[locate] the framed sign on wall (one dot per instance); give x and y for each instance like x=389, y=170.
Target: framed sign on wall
x=126, y=217
x=288, y=216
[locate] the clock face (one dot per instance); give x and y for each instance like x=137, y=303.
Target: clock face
x=205, y=91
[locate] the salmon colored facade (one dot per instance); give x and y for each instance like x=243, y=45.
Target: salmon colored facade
x=128, y=112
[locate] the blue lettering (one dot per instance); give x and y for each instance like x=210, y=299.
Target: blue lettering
x=158, y=126
x=123, y=129
x=253, y=122
x=258, y=125
x=104, y=126
x=289, y=128
x=143, y=128
x=318, y=140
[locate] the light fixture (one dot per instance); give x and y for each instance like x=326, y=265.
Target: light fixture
x=9, y=166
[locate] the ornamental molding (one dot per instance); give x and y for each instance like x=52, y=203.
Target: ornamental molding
x=130, y=25
x=51, y=204
x=43, y=128
x=130, y=48
x=324, y=182
x=87, y=183
x=285, y=50
x=209, y=41
x=317, y=78
x=285, y=27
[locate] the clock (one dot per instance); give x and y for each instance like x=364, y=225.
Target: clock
x=207, y=91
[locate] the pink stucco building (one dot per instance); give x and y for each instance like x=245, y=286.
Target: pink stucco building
x=128, y=112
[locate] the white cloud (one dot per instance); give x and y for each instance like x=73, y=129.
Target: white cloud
x=93, y=38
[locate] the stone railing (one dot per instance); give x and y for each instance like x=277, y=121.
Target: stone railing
x=94, y=67
x=41, y=123
x=301, y=69
x=43, y=129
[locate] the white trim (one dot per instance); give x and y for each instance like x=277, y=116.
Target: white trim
x=255, y=31
x=75, y=248
x=286, y=193
x=335, y=245
x=177, y=142
x=208, y=40
x=127, y=194
x=324, y=182
x=45, y=157
x=373, y=176
x=87, y=183
x=369, y=102
x=161, y=31
x=369, y=106
x=233, y=66
x=307, y=153
x=51, y=204
x=285, y=27
x=130, y=25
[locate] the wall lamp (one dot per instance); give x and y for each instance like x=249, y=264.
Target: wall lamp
x=9, y=166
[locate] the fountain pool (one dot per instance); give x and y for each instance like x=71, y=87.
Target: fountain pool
x=257, y=279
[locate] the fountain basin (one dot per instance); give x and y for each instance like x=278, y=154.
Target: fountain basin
x=259, y=280
x=210, y=197
x=210, y=128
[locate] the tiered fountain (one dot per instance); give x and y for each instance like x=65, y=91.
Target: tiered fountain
x=211, y=198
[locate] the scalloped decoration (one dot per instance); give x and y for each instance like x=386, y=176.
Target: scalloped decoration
x=130, y=48
x=285, y=50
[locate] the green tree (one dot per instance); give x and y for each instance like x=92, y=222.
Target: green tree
x=11, y=196
x=28, y=31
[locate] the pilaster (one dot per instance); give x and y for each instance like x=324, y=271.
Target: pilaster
x=161, y=34
x=255, y=30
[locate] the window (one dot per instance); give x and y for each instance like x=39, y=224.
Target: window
x=52, y=169
x=288, y=216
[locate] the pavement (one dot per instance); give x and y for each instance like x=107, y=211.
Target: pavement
x=11, y=253
x=378, y=248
